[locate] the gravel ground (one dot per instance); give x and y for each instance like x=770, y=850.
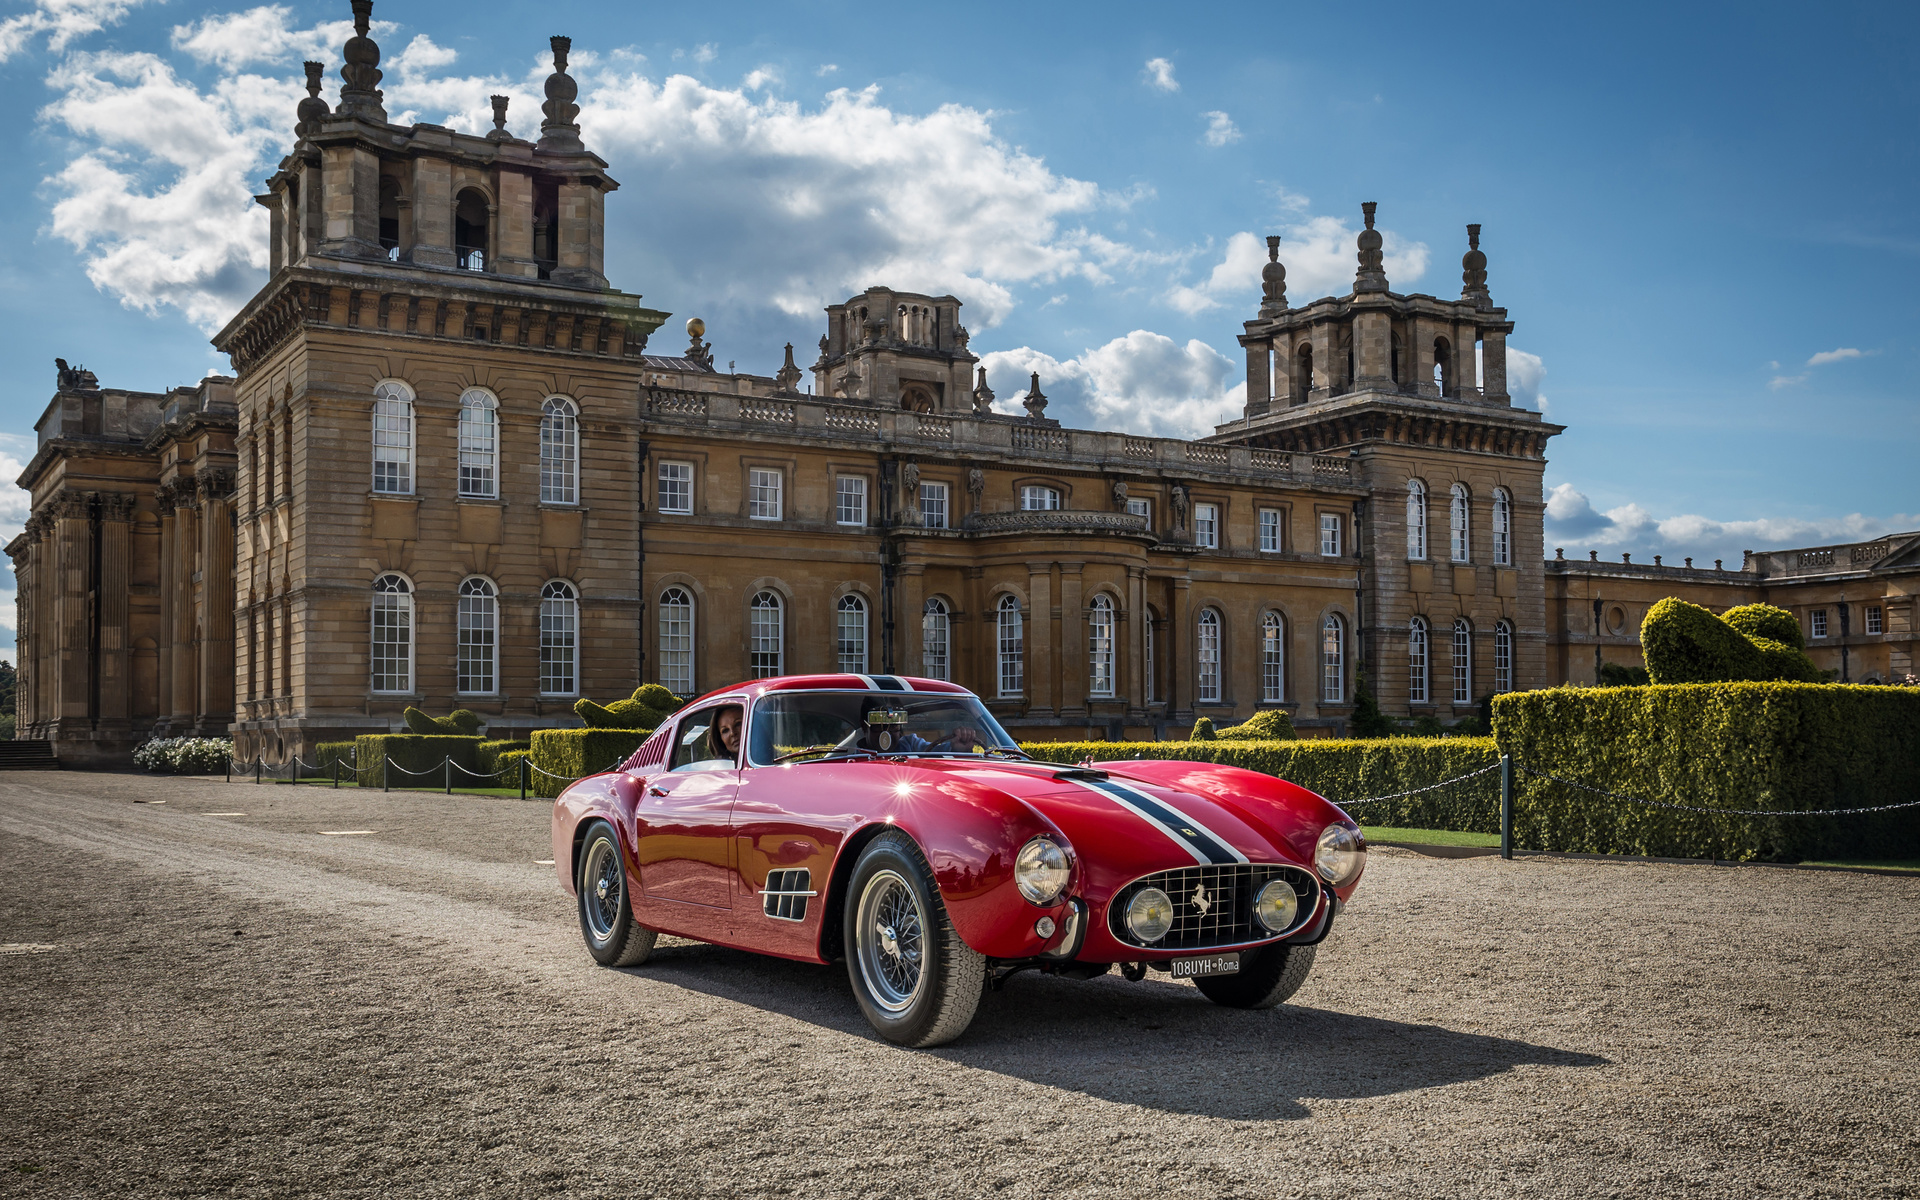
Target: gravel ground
x=238, y=1006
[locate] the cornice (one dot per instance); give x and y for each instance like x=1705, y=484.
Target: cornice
x=1395, y=419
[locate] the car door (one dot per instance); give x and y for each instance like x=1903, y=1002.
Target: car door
x=681, y=822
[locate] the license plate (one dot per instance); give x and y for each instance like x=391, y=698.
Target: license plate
x=1195, y=968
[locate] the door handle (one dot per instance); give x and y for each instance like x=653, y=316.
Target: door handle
x=655, y=792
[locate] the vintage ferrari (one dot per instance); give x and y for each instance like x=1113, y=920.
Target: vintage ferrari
x=892, y=822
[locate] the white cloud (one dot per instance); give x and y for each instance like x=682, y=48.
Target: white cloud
x=1144, y=383
x=15, y=506
x=1524, y=373
x=1159, y=73
x=60, y=21
x=1831, y=356
x=1319, y=255
x=1221, y=130
x=264, y=35
x=1823, y=358
x=1573, y=523
x=706, y=52
x=760, y=78
x=827, y=69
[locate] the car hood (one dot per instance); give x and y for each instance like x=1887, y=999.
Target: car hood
x=1121, y=827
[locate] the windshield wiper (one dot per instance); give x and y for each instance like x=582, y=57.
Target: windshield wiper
x=1021, y=754
x=824, y=757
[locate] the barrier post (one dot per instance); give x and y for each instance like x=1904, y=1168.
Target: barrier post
x=336, y=774
x=296, y=770
x=1506, y=806
x=229, y=768
x=446, y=774
x=386, y=771
x=523, y=779
x=258, y=763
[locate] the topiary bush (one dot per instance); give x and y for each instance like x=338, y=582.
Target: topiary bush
x=1766, y=621
x=1622, y=675
x=1269, y=724
x=568, y=754
x=461, y=721
x=488, y=756
x=417, y=759
x=645, y=709
x=1203, y=730
x=1684, y=643
x=1778, y=746
x=328, y=753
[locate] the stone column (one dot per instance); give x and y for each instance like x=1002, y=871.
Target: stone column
x=352, y=211
x=1073, y=643
x=1259, y=377
x=1493, y=358
x=215, y=706
x=582, y=248
x=72, y=622
x=26, y=577
x=973, y=666
x=163, y=675
x=514, y=239
x=1039, y=648
x=432, y=213
x=180, y=704
x=912, y=599
x=1179, y=654
x=116, y=662
x=1372, y=349
x=1134, y=682
x=1326, y=372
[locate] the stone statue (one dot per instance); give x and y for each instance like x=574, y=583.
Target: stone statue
x=1120, y=495
x=976, y=486
x=75, y=379
x=910, y=492
x=1179, y=510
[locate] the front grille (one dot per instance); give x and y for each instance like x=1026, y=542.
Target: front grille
x=1226, y=919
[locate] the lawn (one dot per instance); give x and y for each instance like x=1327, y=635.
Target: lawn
x=1387, y=835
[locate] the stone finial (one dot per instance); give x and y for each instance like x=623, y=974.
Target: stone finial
x=982, y=394
x=1559, y=552
x=1372, y=276
x=1593, y=556
x=1036, y=401
x=1626, y=558
x=1656, y=560
x=1689, y=562
x=788, y=376
x=1473, y=271
x=499, y=133
x=360, y=94
x=698, y=350
x=1273, y=281
x=560, y=131
x=313, y=109
x=1717, y=566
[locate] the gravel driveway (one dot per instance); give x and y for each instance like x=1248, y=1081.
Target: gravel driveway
x=241, y=1006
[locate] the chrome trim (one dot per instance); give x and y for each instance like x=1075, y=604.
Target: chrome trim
x=1226, y=918
x=786, y=894
x=1073, y=932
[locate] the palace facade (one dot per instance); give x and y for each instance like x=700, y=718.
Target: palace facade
x=449, y=472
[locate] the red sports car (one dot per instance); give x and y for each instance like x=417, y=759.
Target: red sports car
x=893, y=823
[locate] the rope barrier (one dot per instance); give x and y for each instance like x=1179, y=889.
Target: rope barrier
x=1494, y=766
x=1727, y=812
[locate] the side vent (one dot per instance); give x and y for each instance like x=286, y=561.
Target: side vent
x=785, y=895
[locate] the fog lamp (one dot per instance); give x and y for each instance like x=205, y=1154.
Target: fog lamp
x=1150, y=914
x=1276, y=905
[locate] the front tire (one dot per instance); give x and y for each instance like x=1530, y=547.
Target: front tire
x=1268, y=976
x=606, y=920
x=917, y=982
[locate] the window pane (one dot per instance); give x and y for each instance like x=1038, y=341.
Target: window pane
x=477, y=436
x=1270, y=530
x=766, y=637
x=1100, y=647
x=1209, y=673
x=933, y=507
x=1206, y=526
x=1273, y=659
x=936, y=640
x=1035, y=498
x=392, y=635
x=676, y=487
x=1417, y=662
x=1330, y=535
x=676, y=641
x=850, y=500
x=1012, y=648
x=474, y=649
x=1462, y=663
x=559, y=452
x=851, y=644
x=1332, y=666
x=392, y=440
x=1502, y=657
x=763, y=495
x=1416, y=520
x=1502, y=528
x=1141, y=507
x=1458, y=523
x=559, y=640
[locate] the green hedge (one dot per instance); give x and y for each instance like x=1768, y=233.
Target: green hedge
x=1684, y=643
x=414, y=752
x=328, y=753
x=1343, y=770
x=572, y=753
x=489, y=754
x=1792, y=746
x=509, y=768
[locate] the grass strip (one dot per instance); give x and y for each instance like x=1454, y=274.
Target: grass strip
x=1387, y=835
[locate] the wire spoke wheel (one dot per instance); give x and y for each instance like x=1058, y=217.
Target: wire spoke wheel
x=601, y=879
x=891, y=933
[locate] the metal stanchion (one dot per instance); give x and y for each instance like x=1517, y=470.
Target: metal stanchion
x=523, y=779
x=446, y=774
x=386, y=771
x=1506, y=806
x=258, y=764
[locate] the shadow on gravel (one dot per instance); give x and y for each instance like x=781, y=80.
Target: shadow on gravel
x=1155, y=1044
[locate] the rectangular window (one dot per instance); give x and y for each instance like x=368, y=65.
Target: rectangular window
x=1819, y=622
x=1039, y=499
x=392, y=644
x=1873, y=619
x=559, y=630
x=1141, y=507
x=1012, y=648
x=1152, y=668
x=474, y=646
x=933, y=506
x=850, y=500
x=676, y=487
x=763, y=495
x=1206, y=526
x=1330, y=535
x=1270, y=531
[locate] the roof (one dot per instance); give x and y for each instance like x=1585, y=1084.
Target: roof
x=755, y=688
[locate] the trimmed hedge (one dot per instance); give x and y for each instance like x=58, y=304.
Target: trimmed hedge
x=572, y=753
x=1793, y=746
x=1684, y=643
x=645, y=709
x=1267, y=725
x=462, y=721
x=1766, y=621
x=489, y=757
x=1348, y=770
x=417, y=758
x=509, y=768
x=328, y=753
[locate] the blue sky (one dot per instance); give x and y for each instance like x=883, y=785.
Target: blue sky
x=1700, y=217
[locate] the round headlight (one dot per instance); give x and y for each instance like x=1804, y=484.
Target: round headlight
x=1150, y=914
x=1275, y=905
x=1340, y=854
x=1041, y=871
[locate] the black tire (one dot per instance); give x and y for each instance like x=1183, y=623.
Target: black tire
x=606, y=920
x=1268, y=976
x=916, y=981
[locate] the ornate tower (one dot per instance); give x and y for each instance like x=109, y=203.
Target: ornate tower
x=897, y=350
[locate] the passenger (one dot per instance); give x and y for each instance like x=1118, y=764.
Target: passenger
x=723, y=737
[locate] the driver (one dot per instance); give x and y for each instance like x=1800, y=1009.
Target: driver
x=723, y=736
x=962, y=738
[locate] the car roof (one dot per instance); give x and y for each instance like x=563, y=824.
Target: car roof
x=755, y=688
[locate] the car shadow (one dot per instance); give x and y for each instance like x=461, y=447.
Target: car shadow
x=1157, y=1044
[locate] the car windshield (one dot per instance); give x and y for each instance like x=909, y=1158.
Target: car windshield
x=796, y=726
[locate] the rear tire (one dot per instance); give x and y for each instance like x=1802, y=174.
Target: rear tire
x=1268, y=976
x=917, y=982
x=606, y=921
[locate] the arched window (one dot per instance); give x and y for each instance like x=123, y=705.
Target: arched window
x=1152, y=665
x=1012, y=646
x=936, y=640
x=390, y=217
x=850, y=640
x=1333, y=659
x=1457, y=521
x=1502, y=657
x=392, y=439
x=1303, y=374
x=559, y=639
x=1502, y=528
x=392, y=636
x=1417, y=657
x=1443, y=366
x=1207, y=679
x=1462, y=662
x=479, y=420
x=766, y=636
x=470, y=231
x=1100, y=646
x=676, y=641
x=1273, y=658
x=1416, y=520
x=478, y=641
x=559, y=451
